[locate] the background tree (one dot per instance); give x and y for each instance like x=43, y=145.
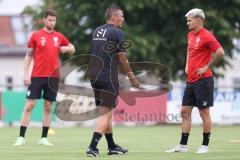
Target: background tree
x=157, y=28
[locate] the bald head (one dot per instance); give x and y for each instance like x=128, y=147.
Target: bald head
x=114, y=15
x=111, y=11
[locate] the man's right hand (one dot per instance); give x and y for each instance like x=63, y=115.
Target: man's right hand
x=135, y=83
x=186, y=70
x=27, y=80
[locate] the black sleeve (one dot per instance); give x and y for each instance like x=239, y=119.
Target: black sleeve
x=121, y=41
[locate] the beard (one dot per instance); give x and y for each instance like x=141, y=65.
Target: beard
x=190, y=29
x=120, y=25
x=50, y=27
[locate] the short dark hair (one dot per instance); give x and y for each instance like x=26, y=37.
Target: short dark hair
x=111, y=10
x=50, y=13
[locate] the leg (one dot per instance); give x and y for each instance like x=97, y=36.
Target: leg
x=25, y=121
x=109, y=133
x=50, y=87
x=33, y=93
x=106, y=98
x=204, y=102
x=186, y=123
x=207, y=124
x=112, y=100
x=47, y=112
x=112, y=147
x=103, y=120
x=186, y=118
x=188, y=101
x=27, y=112
x=101, y=126
x=109, y=124
x=49, y=96
x=205, y=91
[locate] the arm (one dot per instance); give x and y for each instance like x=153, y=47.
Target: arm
x=67, y=49
x=186, y=67
x=27, y=61
x=216, y=57
x=127, y=70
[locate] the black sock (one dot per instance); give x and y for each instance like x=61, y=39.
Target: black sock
x=110, y=141
x=206, y=137
x=22, y=131
x=184, y=138
x=95, y=139
x=44, y=131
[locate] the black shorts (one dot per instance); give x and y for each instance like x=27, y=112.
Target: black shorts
x=199, y=93
x=105, y=93
x=43, y=87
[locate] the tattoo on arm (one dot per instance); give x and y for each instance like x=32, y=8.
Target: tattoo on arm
x=215, y=59
x=125, y=65
x=30, y=52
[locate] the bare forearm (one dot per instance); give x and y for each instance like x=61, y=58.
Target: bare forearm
x=68, y=49
x=27, y=61
x=186, y=67
x=216, y=57
x=126, y=68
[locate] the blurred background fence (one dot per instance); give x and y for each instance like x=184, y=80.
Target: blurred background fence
x=162, y=109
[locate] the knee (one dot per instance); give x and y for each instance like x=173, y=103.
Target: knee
x=29, y=106
x=47, y=106
x=185, y=114
x=204, y=115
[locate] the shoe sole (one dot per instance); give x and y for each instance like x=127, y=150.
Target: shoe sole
x=19, y=144
x=175, y=151
x=201, y=152
x=92, y=155
x=113, y=153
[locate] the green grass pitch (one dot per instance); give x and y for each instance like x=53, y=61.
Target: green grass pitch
x=144, y=143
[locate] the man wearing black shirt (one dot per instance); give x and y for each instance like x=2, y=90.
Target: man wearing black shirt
x=107, y=53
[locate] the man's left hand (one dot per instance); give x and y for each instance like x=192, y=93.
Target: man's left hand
x=201, y=71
